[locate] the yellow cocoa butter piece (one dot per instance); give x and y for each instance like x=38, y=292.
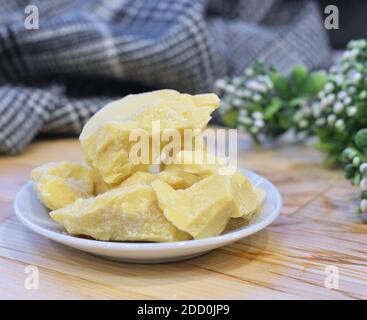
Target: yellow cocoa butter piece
x=177, y=178
x=202, y=163
x=260, y=197
x=244, y=196
x=140, y=177
x=198, y=162
x=132, y=105
x=122, y=214
x=202, y=210
x=106, y=138
x=59, y=184
x=107, y=152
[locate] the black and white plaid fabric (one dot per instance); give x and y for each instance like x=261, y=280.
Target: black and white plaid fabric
x=86, y=53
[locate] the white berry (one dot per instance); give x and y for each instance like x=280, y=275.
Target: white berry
x=351, y=111
x=363, y=206
x=363, y=167
x=363, y=184
x=338, y=107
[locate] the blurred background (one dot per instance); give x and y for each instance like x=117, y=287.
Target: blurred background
x=62, y=60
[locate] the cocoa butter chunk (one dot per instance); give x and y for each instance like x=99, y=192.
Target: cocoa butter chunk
x=106, y=139
x=203, y=164
x=59, y=184
x=122, y=214
x=244, y=195
x=178, y=178
x=202, y=210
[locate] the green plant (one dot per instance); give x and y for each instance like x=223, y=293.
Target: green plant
x=264, y=102
x=332, y=106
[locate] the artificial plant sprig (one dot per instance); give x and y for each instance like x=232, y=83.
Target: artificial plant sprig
x=264, y=102
x=332, y=106
x=340, y=117
x=355, y=159
x=341, y=108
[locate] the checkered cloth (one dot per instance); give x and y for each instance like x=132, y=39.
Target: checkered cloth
x=86, y=53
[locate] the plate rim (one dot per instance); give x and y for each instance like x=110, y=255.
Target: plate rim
x=136, y=246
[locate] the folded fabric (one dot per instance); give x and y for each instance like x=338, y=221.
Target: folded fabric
x=52, y=79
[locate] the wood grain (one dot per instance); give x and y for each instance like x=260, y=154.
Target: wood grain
x=287, y=260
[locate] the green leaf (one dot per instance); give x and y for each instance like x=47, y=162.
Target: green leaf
x=295, y=102
x=349, y=170
x=331, y=160
x=285, y=122
x=281, y=84
x=361, y=139
x=272, y=108
x=230, y=118
x=361, y=111
x=315, y=82
x=299, y=76
x=324, y=146
x=357, y=179
x=255, y=106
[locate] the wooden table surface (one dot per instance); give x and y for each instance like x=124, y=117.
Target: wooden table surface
x=317, y=229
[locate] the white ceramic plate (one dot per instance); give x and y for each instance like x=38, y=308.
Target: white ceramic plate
x=34, y=215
